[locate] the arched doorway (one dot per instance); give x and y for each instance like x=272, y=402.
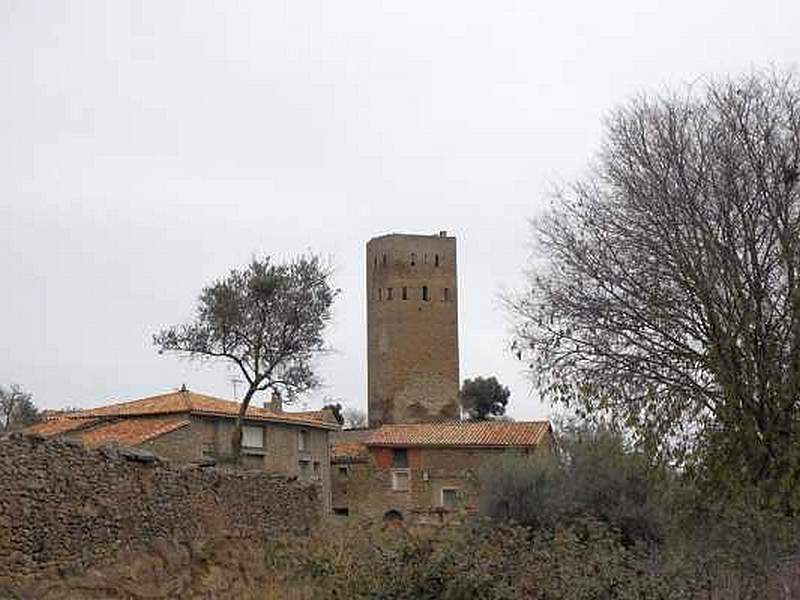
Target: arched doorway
x=393, y=517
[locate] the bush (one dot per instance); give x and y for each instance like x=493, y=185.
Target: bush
x=481, y=560
x=595, y=476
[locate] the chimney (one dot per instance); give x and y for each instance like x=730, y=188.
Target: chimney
x=276, y=403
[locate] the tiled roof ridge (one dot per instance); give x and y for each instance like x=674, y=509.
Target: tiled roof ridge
x=195, y=403
x=104, y=410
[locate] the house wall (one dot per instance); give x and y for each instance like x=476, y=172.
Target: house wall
x=281, y=452
x=182, y=445
x=366, y=487
x=208, y=437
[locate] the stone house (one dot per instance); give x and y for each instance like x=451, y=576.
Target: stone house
x=188, y=427
x=424, y=473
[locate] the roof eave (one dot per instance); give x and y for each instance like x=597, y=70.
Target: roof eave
x=451, y=445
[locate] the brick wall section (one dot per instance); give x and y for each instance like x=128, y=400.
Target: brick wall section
x=64, y=508
x=412, y=344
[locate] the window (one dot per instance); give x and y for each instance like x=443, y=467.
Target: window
x=425, y=258
x=413, y=259
x=302, y=440
x=252, y=437
x=380, y=293
x=316, y=469
x=436, y=260
x=446, y=295
x=405, y=293
x=389, y=293
x=401, y=480
x=344, y=473
x=449, y=497
x=400, y=458
x=305, y=468
x=384, y=260
x=342, y=512
x=425, y=296
x=375, y=264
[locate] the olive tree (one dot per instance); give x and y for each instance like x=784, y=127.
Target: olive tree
x=666, y=290
x=266, y=319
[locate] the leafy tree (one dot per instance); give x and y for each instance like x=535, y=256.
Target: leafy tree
x=336, y=409
x=268, y=320
x=484, y=398
x=668, y=290
x=16, y=408
x=595, y=475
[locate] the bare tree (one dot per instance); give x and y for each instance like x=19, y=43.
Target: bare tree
x=16, y=408
x=667, y=289
x=354, y=418
x=266, y=319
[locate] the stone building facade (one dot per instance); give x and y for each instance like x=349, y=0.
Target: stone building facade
x=425, y=474
x=192, y=428
x=412, y=329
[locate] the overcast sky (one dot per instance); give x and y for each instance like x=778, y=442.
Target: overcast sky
x=147, y=147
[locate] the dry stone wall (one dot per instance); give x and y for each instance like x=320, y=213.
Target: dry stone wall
x=65, y=509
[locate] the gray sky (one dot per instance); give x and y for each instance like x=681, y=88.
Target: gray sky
x=147, y=147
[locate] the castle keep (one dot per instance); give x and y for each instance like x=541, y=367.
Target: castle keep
x=412, y=329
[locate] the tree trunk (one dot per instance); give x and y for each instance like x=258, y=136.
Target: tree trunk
x=236, y=437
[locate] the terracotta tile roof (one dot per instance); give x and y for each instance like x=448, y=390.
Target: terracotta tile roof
x=483, y=433
x=59, y=426
x=200, y=404
x=131, y=431
x=348, y=452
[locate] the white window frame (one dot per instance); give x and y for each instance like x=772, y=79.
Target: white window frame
x=252, y=433
x=448, y=489
x=395, y=479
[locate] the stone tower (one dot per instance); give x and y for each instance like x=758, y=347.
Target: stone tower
x=412, y=329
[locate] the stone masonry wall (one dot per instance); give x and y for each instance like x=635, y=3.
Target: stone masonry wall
x=65, y=509
x=412, y=329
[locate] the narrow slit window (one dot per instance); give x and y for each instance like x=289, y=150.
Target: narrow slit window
x=425, y=258
x=446, y=294
x=389, y=293
x=405, y=293
x=380, y=294
x=425, y=295
x=436, y=260
x=413, y=259
x=375, y=264
x=384, y=260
